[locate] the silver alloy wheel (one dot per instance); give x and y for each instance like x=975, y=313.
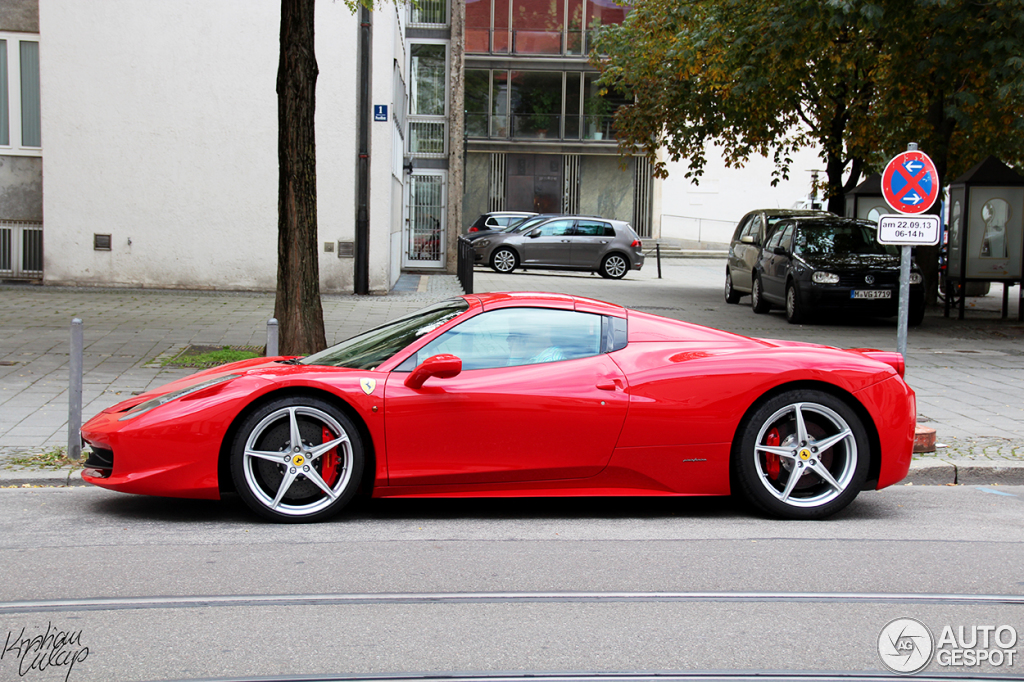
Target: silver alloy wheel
x=615, y=266
x=794, y=315
x=816, y=449
x=504, y=260
x=731, y=295
x=284, y=470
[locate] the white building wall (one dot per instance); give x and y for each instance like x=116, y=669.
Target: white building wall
x=705, y=214
x=160, y=122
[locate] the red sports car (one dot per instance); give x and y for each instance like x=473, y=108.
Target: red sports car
x=520, y=394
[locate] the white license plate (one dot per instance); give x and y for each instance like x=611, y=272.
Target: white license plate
x=871, y=293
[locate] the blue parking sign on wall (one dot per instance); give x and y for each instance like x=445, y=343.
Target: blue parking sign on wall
x=380, y=112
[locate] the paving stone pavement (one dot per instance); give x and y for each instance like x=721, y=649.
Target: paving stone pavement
x=968, y=374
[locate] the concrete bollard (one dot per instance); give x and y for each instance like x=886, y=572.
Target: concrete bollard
x=75, y=390
x=272, y=345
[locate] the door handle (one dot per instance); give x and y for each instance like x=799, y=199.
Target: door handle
x=608, y=385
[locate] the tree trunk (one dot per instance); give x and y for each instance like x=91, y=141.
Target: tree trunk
x=297, y=307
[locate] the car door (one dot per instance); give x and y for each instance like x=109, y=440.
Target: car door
x=552, y=244
x=745, y=250
x=590, y=242
x=773, y=276
x=551, y=415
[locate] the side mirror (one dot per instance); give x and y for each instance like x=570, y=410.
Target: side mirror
x=444, y=366
x=747, y=239
x=779, y=251
x=534, y=234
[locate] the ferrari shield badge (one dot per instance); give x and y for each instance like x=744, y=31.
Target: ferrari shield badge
x=368, y=385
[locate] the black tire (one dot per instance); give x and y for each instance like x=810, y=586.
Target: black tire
x=731, y=295
x=757, y=302
x=795, y=313
x=770, y=446
x=504, y=260
x=614, y=266
x=286, y=483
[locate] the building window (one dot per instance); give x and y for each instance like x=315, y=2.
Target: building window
x=428, y=98
x=537, y=27
x=430, y=13
x=539, y=104
x=20, y=129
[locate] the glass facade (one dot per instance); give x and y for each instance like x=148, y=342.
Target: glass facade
x=536, y=27
x=566, y=105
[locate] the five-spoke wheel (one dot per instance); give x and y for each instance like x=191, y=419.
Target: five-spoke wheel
x=297, y=459
x=731, y=295
x=802, y=455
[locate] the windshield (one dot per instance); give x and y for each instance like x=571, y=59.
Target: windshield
x=839, y=240
x=369, y=349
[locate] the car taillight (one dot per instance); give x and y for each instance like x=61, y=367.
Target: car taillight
x=474, y=229
x=636, y=244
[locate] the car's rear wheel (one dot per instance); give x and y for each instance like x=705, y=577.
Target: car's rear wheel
x=297, y=459
x=731, y=295
x=614, y=266
x=801, y=455
x=795, y=313
x=504, y=260
x=915, y=316
x=757, y=302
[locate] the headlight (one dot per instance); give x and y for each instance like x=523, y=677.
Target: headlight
x=142, y=408
x=915, y=278
x=821, y=277
x=481, y=243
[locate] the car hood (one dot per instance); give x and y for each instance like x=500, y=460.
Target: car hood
x=853, y=262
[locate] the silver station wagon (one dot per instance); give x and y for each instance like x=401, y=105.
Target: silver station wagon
x=608, y=247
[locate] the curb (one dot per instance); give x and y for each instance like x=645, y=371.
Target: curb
x=926, y=471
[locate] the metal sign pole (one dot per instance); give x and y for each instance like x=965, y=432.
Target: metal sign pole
x=904, y=311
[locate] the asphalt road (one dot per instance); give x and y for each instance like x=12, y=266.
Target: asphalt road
x=175, y=589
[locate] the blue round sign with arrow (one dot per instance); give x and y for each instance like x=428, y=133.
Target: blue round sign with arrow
x=910, y=183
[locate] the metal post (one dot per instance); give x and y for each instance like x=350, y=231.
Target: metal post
x=75, y=390
x=272, y=338
x=657, y=252
x=904, y=311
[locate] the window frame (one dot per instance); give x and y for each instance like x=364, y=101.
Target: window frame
x=15, y=129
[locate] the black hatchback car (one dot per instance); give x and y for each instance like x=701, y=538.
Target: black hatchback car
x=812, y=265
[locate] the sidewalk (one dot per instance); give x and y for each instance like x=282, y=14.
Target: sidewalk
x=968, y=375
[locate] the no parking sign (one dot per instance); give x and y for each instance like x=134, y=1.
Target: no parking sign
x=910, y=183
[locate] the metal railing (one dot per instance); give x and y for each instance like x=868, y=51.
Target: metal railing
x=570, y=42
x=21, y=250
x=464, y=268
x=540, y=127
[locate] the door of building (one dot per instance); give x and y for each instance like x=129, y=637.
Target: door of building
x=424, y=235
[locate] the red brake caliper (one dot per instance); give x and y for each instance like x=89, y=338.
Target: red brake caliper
x=329, y=459
x=772, y=460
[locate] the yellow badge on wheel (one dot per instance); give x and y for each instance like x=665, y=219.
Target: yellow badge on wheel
x=367, y=385
x=298, y=460
x=805, y=454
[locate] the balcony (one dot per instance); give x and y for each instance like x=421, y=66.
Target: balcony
x=539, y=127
x=529, y=42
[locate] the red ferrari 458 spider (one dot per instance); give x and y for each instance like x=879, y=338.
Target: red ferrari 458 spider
x=520, y=394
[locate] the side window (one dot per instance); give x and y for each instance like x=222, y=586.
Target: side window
x=591, y=228
x=755, y=231
x=493, y=222
x=774, y=241
x=556, y=228
x=787, y=238
x=742, y=229
x=512, y=337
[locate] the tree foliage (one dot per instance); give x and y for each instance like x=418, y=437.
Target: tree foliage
x=857, y=78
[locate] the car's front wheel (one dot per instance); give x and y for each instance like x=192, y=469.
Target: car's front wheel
x=297, y=459
x=731, y=295
x=803, y=454
x=795, y=313
x=757, y=302
x=614, y=266
x=504, y=260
